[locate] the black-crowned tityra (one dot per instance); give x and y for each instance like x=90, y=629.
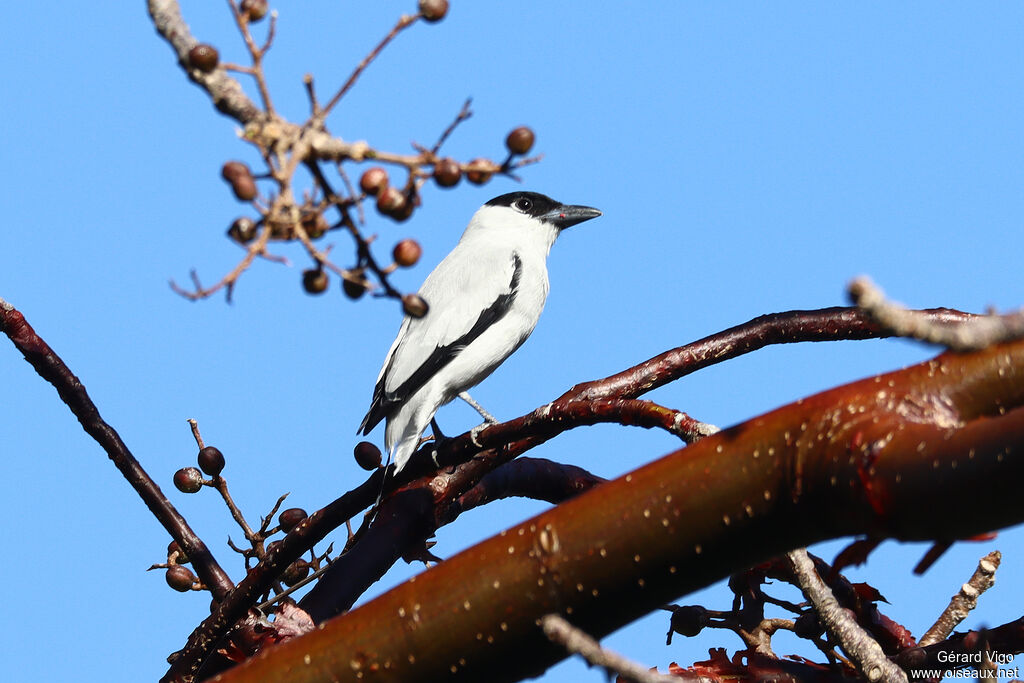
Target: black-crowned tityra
x=484, y=300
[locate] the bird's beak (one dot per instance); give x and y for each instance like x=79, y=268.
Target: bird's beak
x=566, y=216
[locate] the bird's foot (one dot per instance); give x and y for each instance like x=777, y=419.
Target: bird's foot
x=475, y=431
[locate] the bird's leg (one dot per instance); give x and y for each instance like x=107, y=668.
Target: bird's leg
x=488, y=418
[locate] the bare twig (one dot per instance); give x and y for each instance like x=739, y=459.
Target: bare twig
x=254, y=249
x=195, y=433
x=256, y=53
x=463, y=115
x=965, y=600
x=864, y=651
x=403, y=23
x=978, y=333
x=560, y=631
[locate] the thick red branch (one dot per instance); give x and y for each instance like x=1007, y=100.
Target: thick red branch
x=883, y=456
x=471, y=459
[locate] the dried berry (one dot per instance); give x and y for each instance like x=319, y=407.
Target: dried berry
x=403, y=213
x=188, y=480
x=234, y=169
x=478, y=172
x=290, y=518
x=211, y=460
x=447, y=173
x=315, y=224
x=296, y=571
x=243, y=230
x=180, y=578
x=253, y=10
x=240, y=178
x=391, y=201
x=203, y=57
x=688, y=620
x=433, y=10
x=315, y=281
x=520, y=141
x=367, y=456
x=807, y=625
x=912, y=658
x=407, y=252
x=373, y=181
x=414, y=306
x=244, y=188
x=353, y=288
x=175, y=555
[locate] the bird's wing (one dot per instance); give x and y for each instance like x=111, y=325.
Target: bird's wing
x=463, y=303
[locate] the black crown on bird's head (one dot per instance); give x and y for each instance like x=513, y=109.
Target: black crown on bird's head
x=545, y=208
x=531, y=203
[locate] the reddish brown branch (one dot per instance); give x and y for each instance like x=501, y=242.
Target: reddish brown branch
x=51, y=368
x=827, y=324
x=500, y=444
x=874, y=457
x=474, y=455
x=534, y=478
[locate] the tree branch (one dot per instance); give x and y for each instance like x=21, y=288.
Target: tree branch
x=225, y=91
x=872, y=457
x=863, y=650
x=578, y=642
x=52, y=369
x=965, y=600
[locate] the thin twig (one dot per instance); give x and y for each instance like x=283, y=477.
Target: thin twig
x=965, y=600
x=463, y=114
x=560, y=631
x=255, y=249
x=195, y=433
x=256, y=54
x=404, y=22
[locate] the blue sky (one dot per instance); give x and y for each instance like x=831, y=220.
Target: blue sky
x=748, y=158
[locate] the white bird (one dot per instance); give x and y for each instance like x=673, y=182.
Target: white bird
x=484, y=299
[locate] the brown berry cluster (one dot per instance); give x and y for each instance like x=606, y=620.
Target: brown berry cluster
x=240, y=178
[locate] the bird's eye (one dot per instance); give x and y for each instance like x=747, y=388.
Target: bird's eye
x=523, y=205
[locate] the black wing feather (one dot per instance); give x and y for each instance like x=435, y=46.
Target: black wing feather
x=384, y=403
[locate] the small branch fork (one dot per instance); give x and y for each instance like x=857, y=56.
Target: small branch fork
x=284, y=212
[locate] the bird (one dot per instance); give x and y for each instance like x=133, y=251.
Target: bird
x=483, y=300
